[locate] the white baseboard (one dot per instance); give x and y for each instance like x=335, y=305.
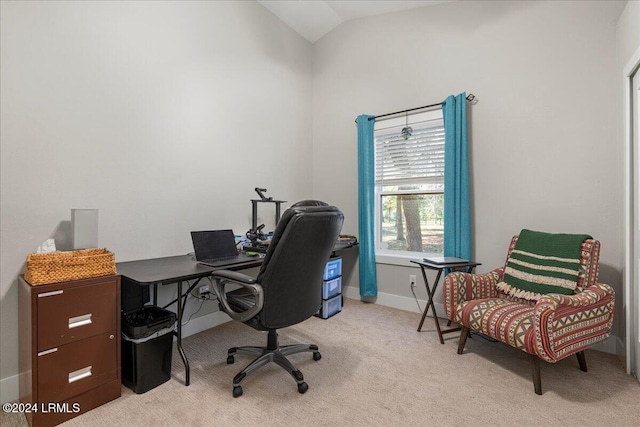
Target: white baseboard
x=10, y=389
x=613, y=345
x=394, y=301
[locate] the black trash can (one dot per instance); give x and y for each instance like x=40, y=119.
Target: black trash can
x=147, y=342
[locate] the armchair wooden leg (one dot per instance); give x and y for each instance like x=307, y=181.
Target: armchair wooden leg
x=463, y=338
x=582, y=361
x=535, y=370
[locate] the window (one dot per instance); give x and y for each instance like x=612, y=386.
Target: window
x=409, y=175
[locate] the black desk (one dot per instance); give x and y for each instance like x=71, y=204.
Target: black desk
x=175, y=269
x=181, y=268
x=467, y=266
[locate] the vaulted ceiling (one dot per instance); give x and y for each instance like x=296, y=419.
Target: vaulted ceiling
x=312, y=19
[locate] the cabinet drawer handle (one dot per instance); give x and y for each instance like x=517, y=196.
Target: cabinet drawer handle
x=49, y=294
x=74, y=322
x=51, y=350
x=79, y=374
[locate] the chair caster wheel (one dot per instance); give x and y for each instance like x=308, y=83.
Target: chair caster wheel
x=317, y=356
x=237, y=391
x=230, y=361
x=302, y=387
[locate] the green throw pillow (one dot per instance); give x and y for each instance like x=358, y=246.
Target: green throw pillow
x=543, y=263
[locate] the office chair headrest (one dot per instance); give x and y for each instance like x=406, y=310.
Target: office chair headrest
x=309, y=203
x=302, y=207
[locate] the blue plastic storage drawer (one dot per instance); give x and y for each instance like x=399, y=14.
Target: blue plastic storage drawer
x=330, y=307
x=333, y=269
x=331, y=288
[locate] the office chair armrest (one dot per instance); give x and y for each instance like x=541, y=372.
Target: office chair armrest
x=234, y=276
x=220, y=280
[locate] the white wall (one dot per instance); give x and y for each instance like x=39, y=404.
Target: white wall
x=135, y=108
x=543, y=147
x=162, y=115
x=628, y=45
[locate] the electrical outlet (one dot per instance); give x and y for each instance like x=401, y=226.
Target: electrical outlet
x=204, y=290
x=412, y=280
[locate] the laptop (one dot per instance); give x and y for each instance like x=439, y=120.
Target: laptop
x=446, y=260
x=217, y=248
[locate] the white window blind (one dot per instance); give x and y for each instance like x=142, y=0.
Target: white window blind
x=416, y=160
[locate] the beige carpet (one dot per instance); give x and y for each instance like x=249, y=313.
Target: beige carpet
x=375, y=370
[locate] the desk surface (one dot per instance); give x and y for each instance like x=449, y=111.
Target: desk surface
x=183, y=267
x=172, y=269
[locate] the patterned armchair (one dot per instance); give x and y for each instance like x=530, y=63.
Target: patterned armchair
x=554, y=327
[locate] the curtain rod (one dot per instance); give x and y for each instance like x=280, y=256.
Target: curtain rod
x=469, y=98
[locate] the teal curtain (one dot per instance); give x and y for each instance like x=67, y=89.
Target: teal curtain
x=457, y=211
x=366, y=206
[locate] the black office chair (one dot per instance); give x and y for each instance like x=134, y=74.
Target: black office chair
x=288, y=288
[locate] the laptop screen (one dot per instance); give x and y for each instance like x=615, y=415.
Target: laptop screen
x=214, y=244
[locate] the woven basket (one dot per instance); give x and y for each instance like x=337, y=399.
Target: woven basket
x=56, y=267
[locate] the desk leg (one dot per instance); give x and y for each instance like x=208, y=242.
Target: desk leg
x=155, y=293
x=179, y=335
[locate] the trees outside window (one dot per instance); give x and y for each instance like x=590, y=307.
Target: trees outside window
x=410, y=185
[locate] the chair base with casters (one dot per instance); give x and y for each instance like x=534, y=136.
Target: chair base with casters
x=551, y=328
x=271, y=353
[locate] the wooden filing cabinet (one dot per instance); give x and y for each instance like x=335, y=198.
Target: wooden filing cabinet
x=69, y=347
